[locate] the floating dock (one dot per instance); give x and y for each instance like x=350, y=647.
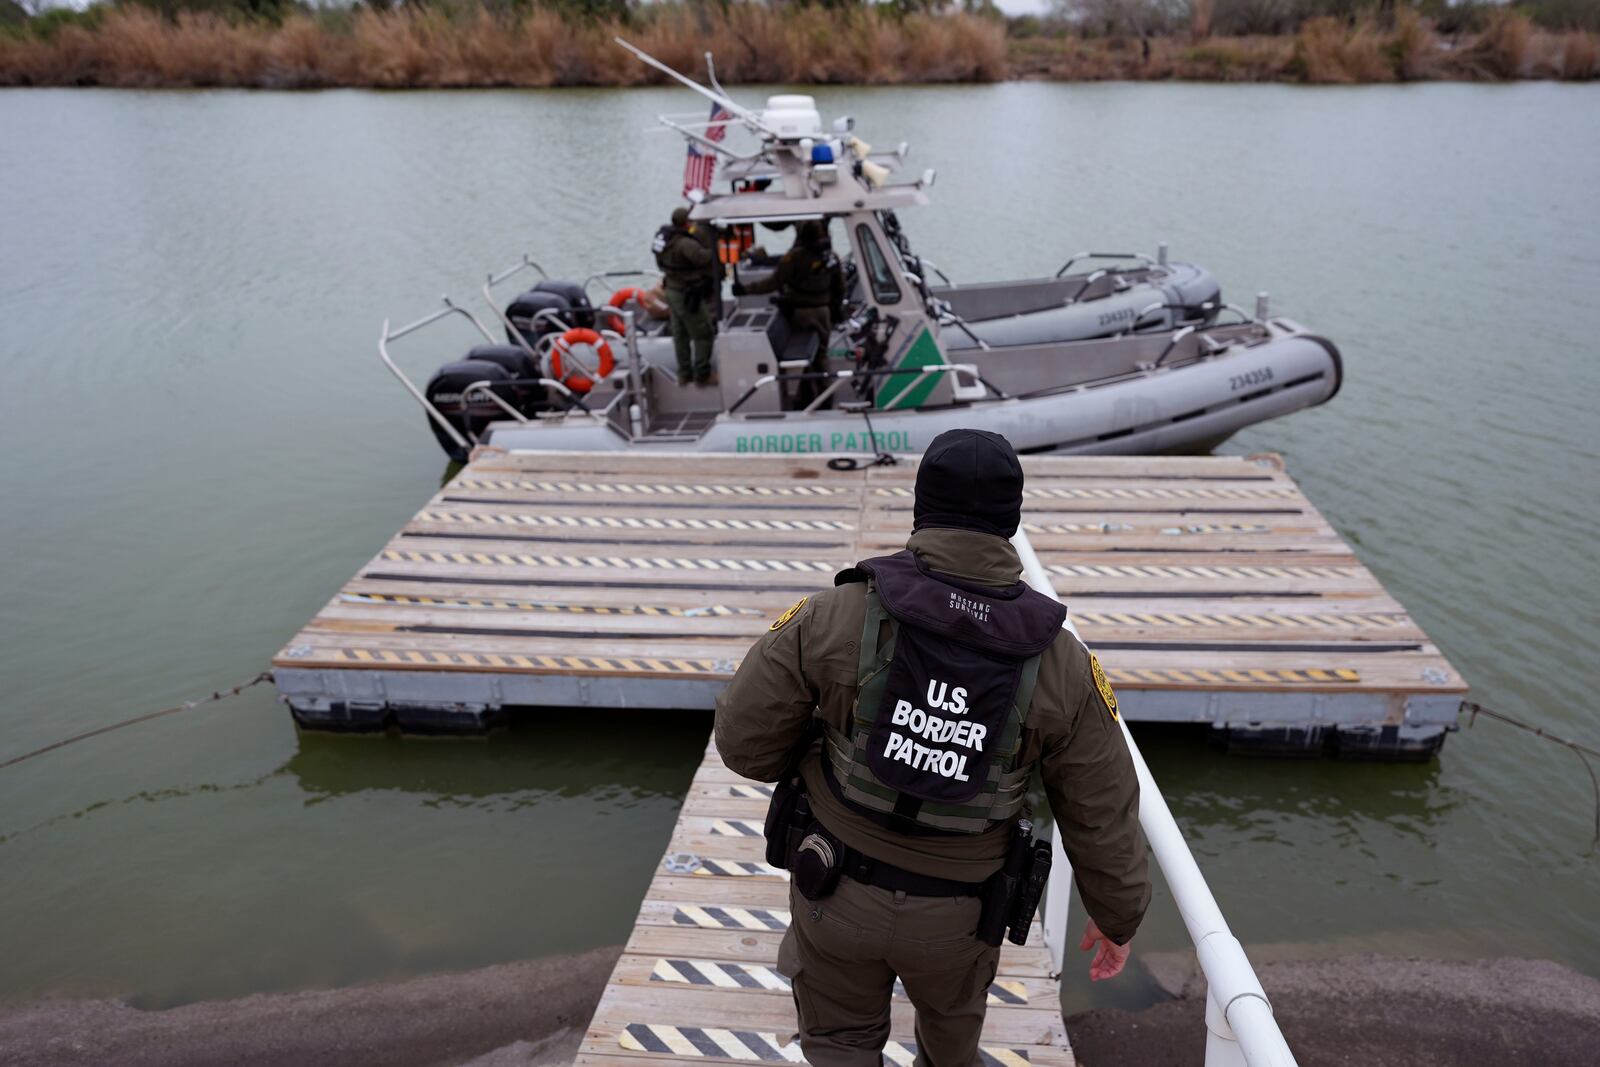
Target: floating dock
x=1211, y=588
x=698, y=980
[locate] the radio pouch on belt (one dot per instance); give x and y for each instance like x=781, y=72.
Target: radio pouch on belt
x=788, y=815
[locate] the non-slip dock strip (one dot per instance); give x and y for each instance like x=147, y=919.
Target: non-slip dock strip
x=586, y=664
x=724, y=868
x=1210, y=573
x=757, y=1047
x=1319, y=621
x=1125, y=527
x=526, y=559
x=713, y=917
x=1129, y=493
x=548, y=607
x=737, y=828
x=1065, y=570
x=747, y=976
x=612, y=522
x=1249, y=676
x=1130, y=676
x=651, y=488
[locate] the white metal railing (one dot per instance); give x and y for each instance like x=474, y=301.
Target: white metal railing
x=1240, y=1029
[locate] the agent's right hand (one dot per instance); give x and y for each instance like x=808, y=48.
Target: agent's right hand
x=1108, y=962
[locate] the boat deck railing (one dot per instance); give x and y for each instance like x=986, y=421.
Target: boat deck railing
x=1240, y=1028
x=387, y=336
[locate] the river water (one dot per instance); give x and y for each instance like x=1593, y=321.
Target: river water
x=200, y=446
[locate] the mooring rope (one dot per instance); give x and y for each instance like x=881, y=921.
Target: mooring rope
x=850, y=463
x=220, y=694
x=1582, y=751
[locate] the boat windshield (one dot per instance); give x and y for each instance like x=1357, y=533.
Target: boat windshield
x=885, y=289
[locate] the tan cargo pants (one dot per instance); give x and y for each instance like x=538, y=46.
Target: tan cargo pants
x=842, y=955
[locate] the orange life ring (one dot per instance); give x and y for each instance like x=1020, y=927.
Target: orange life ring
x=577, y=380
x=620, y=299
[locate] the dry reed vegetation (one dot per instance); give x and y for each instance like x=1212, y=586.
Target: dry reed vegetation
x=1325, y=51
x=132, y=47
x=472, y=46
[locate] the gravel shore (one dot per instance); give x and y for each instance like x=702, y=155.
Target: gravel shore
x=526, y=1014
x=1376, y=1011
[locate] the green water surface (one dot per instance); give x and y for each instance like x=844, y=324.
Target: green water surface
x=200, y=445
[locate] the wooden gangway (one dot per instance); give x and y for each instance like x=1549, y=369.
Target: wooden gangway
x=1211, y=588
x=698, y=980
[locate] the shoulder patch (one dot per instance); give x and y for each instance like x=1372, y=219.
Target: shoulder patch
x=1100, y=682
x=791, y=613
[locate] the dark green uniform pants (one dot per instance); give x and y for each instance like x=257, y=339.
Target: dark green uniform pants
x=842, y=955
x=819, y=322
x=692, y=331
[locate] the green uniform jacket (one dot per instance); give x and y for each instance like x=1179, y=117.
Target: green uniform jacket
x=804, y=278
x=807, y=665
x=686, y=261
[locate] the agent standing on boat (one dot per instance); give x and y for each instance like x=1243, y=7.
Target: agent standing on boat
x=903, y=711
x=688, y=266
x=809, y=281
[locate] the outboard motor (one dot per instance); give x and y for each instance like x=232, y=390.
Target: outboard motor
x=582, y=312
x=503, y=365
x=524, y=315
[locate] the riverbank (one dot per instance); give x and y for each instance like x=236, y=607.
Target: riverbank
x=1378, y=1011
x=429, y=48
x=530, y=1014
x=1374, y=1010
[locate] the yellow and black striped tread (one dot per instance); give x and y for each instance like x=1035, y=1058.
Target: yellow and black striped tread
x=1130, y=493
x=751, y=792
x=378, y=657
x=754, y=976
x=737, y=827
x=1209, y=572
x=713, y=867
x=1128, y=527
x=760, y=1047
x=1316, y=621
x=1131, y=677
x=728, y=917
x=611, y=522
x=665, y=563
x=550, y=607
x=691, y=489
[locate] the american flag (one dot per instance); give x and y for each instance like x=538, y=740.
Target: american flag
x=701, y=166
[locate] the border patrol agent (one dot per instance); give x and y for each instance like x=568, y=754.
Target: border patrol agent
x=809, y=281
x=915, y=699
x=689, y=273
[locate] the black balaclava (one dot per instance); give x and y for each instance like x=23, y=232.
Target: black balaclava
x=969, y=480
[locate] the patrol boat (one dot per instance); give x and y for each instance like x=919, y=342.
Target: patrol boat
x=1114, y=353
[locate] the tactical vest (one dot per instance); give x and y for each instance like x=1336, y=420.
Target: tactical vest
x=811, y=282
x=937, y=734
x=677, y=271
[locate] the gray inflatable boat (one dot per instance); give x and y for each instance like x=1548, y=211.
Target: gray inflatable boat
x=1112, y=354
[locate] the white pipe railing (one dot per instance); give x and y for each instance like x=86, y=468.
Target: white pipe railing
x=1240, y=1029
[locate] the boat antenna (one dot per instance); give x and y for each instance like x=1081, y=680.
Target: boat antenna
x=711, y=74
x=745, y=115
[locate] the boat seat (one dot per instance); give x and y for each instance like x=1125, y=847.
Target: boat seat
x=800, y=347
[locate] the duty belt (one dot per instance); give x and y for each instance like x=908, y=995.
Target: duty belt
x=862, y=868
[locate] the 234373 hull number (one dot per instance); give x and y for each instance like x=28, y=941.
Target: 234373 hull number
x=1250, y=378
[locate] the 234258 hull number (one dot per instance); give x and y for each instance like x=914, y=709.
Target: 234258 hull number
x=1250, y=378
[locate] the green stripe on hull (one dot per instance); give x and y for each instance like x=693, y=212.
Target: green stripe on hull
x=912, y=390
